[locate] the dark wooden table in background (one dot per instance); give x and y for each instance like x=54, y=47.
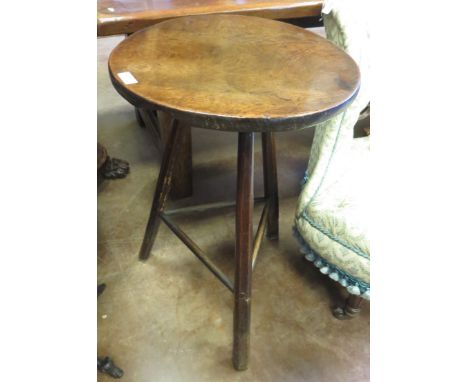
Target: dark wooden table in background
x=128, y=16
x=116, y=17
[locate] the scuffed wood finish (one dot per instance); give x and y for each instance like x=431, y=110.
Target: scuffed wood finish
x=270, y=183
x=128, y=16
x=139, y=118
x=182, y=185
x=163, y=187
x=244, y=243
x=235, y=73
x=150, y=121
x=159, y=125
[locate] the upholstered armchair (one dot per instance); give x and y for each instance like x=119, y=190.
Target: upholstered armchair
x=332, y=214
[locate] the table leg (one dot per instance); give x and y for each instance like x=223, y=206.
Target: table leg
x=244, y=242
x=138, y=117
x=159, y=123
x=163, y=187
x=182, y=180
x=270, y=182
x=150, y=121
x=351, y=308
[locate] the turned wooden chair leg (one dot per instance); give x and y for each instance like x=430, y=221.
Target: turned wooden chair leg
x=244, y=243
x=351, y=308
x=270, y=182
x=163, y=187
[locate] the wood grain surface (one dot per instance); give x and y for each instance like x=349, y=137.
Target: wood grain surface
x=236, y=73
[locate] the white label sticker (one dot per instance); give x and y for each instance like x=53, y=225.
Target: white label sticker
x=127, y=78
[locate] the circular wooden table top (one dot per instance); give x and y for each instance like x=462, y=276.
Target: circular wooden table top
x=237, y=73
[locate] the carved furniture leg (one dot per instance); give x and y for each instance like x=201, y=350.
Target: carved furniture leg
x=270, y=182
x=244, y=242
x=116, y=168
x=106, y=365
x=110, y=168
x=350, y=310
x=163, y=186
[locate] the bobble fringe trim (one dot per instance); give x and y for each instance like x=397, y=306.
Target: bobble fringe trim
x=304, y=180
x=352, y=285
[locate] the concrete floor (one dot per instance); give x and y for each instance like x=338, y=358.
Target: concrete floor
x=170, y=319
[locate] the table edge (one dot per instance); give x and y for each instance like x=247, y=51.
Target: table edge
x=237, y=124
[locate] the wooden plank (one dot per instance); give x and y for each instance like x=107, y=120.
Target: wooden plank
x=128, y=16
x=207, y=206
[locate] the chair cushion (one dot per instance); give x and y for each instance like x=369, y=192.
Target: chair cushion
x=333, y=228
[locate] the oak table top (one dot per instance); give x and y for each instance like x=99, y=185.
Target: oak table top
x=128, y=16
x=236, y=73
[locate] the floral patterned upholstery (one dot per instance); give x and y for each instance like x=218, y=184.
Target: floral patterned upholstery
x=332, y=215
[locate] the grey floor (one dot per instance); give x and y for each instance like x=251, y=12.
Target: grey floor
x=169, y=319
